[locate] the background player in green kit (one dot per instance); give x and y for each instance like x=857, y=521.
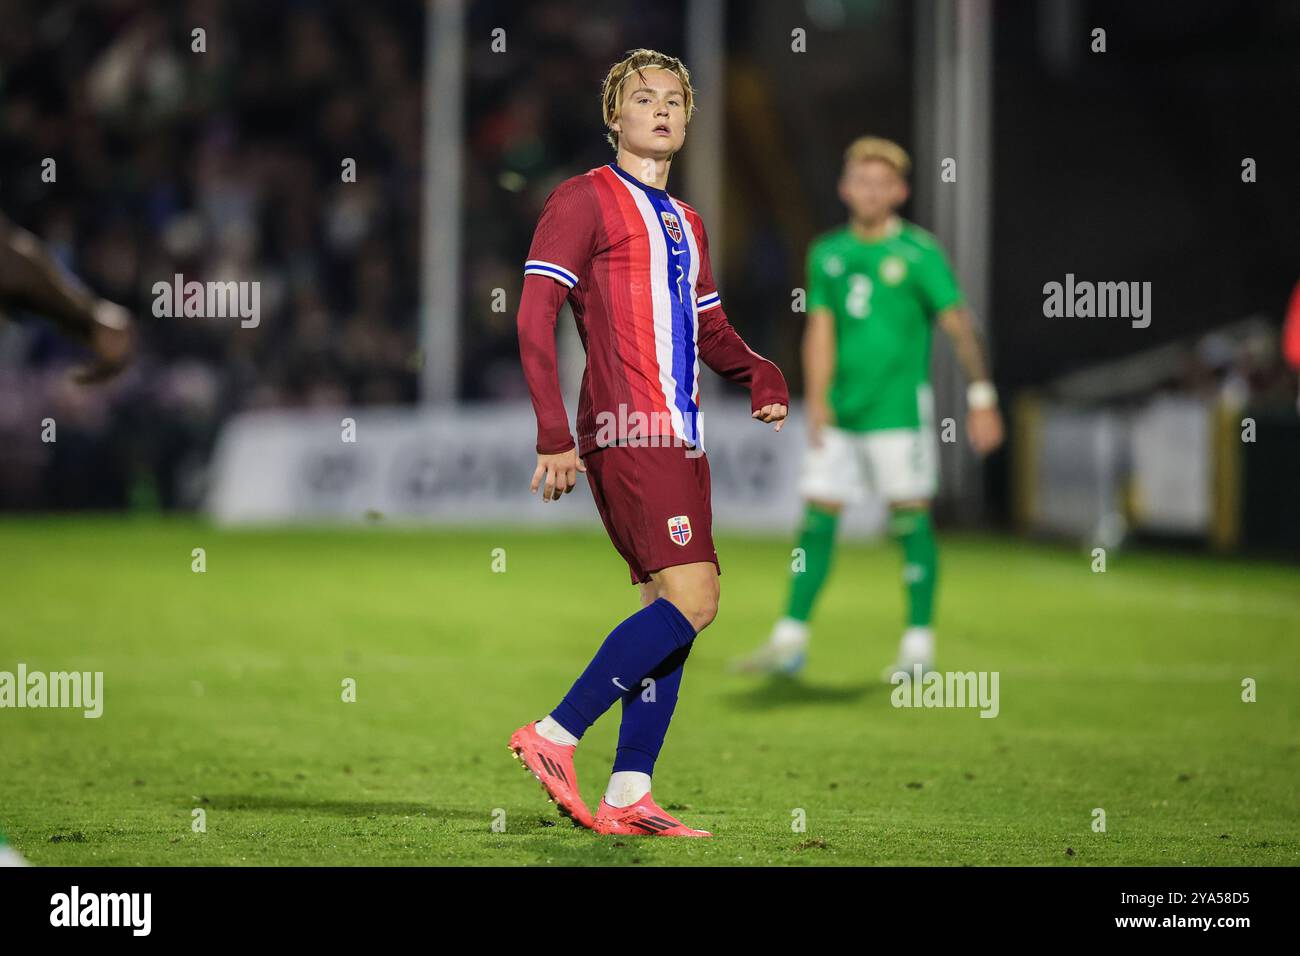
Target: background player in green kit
x=876, y=286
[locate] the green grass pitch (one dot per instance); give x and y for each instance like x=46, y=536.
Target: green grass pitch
x=1120, y=691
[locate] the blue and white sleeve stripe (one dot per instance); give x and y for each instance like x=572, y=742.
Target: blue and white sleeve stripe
x=706, y=302
x=538, y=267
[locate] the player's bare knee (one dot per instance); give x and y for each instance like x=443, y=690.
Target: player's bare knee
x=704, y=608
x=697, y=600
x=700, y=615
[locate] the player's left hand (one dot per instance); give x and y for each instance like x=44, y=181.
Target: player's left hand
x=771, y=413
x=984, y=426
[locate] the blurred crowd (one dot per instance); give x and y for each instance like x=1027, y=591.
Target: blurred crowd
x=219, y=157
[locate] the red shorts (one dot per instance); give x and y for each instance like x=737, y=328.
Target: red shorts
x=655, y=504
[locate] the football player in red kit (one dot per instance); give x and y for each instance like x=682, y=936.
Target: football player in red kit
x=633, y=262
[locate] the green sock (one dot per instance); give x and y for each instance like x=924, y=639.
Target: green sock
x=818, y=543
x=915, y=533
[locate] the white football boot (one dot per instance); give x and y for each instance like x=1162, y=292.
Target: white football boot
x=783, y=654
x=916, y=649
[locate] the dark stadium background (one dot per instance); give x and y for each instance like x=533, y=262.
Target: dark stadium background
x=1121, y=165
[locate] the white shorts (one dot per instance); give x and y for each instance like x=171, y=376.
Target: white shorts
x=895, y=464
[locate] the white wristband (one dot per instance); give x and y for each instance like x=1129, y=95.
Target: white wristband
x=981, y=395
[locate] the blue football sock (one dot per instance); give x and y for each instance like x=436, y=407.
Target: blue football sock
x=632, y=650
x=647, y=712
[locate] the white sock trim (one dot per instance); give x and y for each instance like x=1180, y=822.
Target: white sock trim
x=917, y=645
x=552, y=731
x=626, y=787
x=789, y=633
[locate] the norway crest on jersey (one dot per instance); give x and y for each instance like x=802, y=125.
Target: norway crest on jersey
x=674, y=229
x=679, y=529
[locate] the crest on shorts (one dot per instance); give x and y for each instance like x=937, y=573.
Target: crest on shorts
x=672, y=225
x=679, y=529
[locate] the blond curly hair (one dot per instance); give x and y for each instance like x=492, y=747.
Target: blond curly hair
x=874, y=147
x=634, y=63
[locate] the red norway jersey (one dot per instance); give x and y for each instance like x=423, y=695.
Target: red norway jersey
x=634, y=264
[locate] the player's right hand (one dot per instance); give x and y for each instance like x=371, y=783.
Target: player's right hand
x=557, y=474
x=112, y=339
x=819, y=416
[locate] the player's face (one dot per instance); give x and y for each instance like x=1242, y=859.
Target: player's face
x=652, y=118
x=872, y=190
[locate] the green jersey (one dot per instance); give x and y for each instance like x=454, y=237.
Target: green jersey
x=884, y=295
